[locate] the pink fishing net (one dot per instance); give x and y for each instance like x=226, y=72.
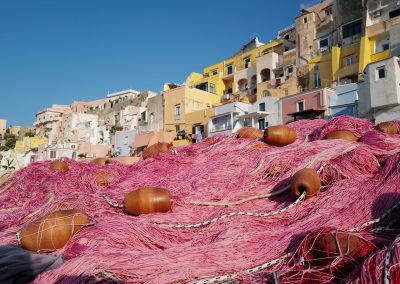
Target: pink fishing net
x=223, y=172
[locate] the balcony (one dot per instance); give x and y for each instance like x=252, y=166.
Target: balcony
x=348, y=70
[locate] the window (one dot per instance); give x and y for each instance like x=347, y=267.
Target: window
x=229, y=68
x=290, y=70
x=214, y=72
x=300, y=105
x=261, y=124
x=382, y=43
x=349, y=60
x=212, y=88
x=305, y=20
x=247, y=62
x=324, y=43
x=328, y=11
x=143, y=117
x=261, y=107
x=381, y=72
x=203, y=86
x=247, y=122
x=177, y=128
x=266, y=94
x=53, y=154
x=394, y=13
x=351, y=29
x=177, y=112
x=317, y=79
x=72, y=146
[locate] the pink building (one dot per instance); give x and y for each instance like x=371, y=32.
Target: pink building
x=307, y=105
x=83, y=107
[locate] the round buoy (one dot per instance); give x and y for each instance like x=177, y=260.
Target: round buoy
x=389, y=127
x=326, y=247
x=147, y=200
x=104, y=178
x=53, y=230
x=58, y=165
x=341, y=134
x=306, y=180
x=279, y=135
x=154, y=150
x=101, y=161
x=249, y=132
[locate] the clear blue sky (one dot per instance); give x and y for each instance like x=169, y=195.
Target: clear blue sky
x=58, y=51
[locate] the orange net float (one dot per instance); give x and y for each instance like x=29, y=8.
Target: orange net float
x=279, y=135
x=325, y=247
x=154, y=150
x=102, y=161
x=104, y=178
x=249, y=132
x=307, y=180
x=53, y=231
x=389, y=127
x=58, y=165
x=341, y=134
x=147, y=200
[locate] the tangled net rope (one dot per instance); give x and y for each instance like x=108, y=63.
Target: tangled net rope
x=255, y=230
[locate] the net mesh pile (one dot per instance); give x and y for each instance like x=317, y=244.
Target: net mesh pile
x=222, y=176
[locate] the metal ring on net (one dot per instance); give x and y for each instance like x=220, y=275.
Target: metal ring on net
x=388, y=258
x=252, y=214
x=111, y=202
x=231, y=276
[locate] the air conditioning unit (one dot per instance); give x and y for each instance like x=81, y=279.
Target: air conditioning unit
x=376, y=14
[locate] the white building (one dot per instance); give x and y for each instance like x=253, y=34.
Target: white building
x=226, y=118
x=129, y=94
x=344, y=100
x=379, y=92
x=84, y=127
x=263, y=113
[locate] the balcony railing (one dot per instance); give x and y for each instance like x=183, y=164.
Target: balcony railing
x=219, y=129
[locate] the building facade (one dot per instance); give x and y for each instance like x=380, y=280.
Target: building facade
x=379, y=92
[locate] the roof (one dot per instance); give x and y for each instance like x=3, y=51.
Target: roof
x=308, y=112
x=253, y=43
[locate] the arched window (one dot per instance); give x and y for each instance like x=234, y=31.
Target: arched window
x=265, y=75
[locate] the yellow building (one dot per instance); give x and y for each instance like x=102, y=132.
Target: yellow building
x=254, y=65
x=338, y=65
x=186, y=108
x=29, y=143
x=382, y=29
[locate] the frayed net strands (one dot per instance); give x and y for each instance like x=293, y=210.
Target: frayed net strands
x=221, y=169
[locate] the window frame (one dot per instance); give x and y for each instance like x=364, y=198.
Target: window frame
x=177, y=113
x=378, y=72
x=352, y=61
x=229, y=66
x=212, y=88
x=323, y=39
x=261, y=108
x=297, y=105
